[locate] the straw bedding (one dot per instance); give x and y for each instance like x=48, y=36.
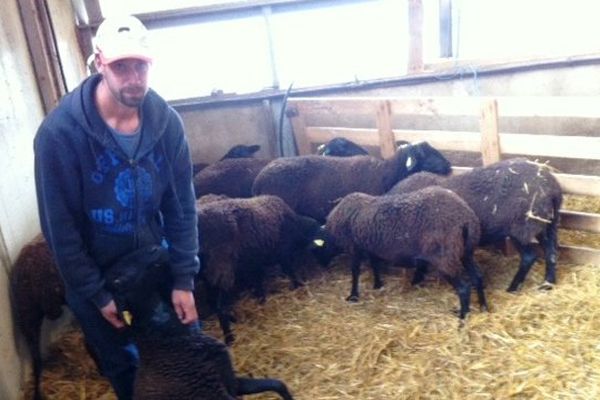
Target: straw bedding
x=402, y=342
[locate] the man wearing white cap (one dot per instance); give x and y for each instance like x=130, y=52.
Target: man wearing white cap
x=113, y=175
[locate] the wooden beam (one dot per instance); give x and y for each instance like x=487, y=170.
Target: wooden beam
x=44, y=53
x=490, y=139
x=384, y=128
x=586, y=185
x=578, y=255
x=580, y=221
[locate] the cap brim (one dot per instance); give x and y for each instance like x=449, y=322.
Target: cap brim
x=138, y=56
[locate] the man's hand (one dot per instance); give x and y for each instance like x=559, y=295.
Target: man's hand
x=185, y=307
x=110, y=313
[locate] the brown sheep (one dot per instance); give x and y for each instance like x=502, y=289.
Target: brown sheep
x=37, y=293
x=432, y=227
x=513, y=198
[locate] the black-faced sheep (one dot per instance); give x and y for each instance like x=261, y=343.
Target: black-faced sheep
x=176, y=361
x=241, y=239
x=514, y=198
x=234, y=176
x=237, y=151
x=341, y=147
x=432, y=226
x=312, y=184
x=37, y=292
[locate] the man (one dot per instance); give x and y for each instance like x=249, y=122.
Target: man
x=113, y=174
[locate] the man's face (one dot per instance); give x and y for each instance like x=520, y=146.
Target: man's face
x=126, y=79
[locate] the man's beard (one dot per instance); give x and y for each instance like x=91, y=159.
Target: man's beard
x=132, y=96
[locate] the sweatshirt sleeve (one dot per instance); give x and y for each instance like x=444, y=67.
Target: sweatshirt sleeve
x=179, y=211
x=60, y=204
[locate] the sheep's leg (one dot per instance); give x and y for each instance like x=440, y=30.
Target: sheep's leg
x=548, y=240
x=355, y=275
x=376, y=268
x=528, y=257
x=253, y=386
x=223, y=313
x=420, y=271
x=476, y=279
x=463, y=289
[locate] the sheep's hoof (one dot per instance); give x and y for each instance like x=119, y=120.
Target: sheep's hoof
x=229, y=339
x=512, y=289
x=546, y=286
x=353, y=298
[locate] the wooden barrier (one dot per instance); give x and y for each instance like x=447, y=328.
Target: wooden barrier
x=489, y=141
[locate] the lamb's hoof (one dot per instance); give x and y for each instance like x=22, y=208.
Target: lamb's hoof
x=484, y=308
x=546, y=286
x=512, y=289
x=352, y=298
x=229, y=339
x=377, y=287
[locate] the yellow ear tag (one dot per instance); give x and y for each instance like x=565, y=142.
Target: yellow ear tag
x=127, y=317
x=319, y=242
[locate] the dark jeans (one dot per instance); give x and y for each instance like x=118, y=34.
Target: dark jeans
x=116, y=354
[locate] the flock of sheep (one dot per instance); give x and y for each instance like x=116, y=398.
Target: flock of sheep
x=256, y=214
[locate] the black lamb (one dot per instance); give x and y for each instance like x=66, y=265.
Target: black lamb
x=241, y=239
x=312, y=184
x=514, y=198
x=431, y=227
x=176, y=361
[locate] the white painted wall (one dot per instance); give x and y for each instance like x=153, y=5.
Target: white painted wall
x=20, y=113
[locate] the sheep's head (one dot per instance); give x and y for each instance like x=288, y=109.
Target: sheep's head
x=341, y=147
x=423, y=157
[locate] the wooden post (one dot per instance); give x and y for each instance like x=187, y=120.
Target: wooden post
x=490, y=139
x=387, y=140
x=415, y=34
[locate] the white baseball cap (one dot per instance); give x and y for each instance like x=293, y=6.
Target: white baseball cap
x=122, y=37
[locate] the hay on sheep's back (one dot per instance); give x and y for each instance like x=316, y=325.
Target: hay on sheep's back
x=404, y=342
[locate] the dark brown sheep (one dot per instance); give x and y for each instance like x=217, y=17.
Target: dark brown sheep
x=241, y=239
x=312, y=184
x=37, y=293
x=232, y=177
x=513, y=198
x=431, y=227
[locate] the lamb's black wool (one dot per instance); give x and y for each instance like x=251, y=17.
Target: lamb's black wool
x=176, y=361
x=312, y=184
x=431, y=227
x=513, y=198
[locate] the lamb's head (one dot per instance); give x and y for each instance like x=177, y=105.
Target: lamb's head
x=422, y=156
x=142, y=293
x=341, y=147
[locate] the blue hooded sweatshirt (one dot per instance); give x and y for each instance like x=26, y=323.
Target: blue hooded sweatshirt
x=96, y=204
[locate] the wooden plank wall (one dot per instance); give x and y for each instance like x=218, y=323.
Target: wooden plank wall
x=489, y=141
